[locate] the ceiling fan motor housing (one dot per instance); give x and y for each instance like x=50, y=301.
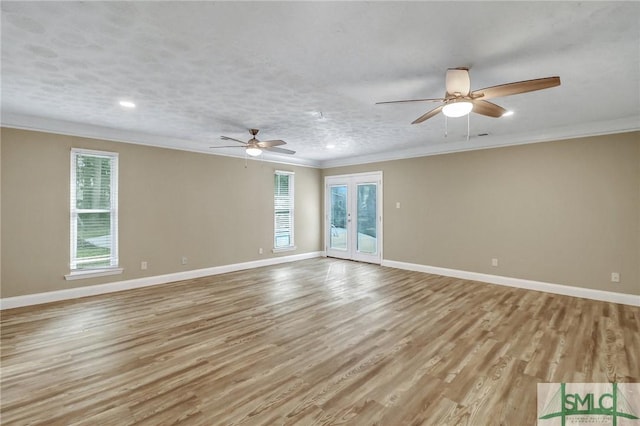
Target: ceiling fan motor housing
x=458, y=82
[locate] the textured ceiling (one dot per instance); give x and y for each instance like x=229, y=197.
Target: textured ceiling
x=311, y=72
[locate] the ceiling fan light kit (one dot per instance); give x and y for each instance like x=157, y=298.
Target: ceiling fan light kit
x=457, y=108
x=253, y=151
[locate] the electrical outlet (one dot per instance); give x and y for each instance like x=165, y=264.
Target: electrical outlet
x=143, y=265
x=184, y=260
x=615, y=277
x=494, y=262
x=260, y=250
x=397, y=204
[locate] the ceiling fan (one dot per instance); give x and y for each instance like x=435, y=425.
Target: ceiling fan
x=254, y=147
x=459, y=100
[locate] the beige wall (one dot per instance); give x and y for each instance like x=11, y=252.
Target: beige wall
x=564, y=212
x=208, y=208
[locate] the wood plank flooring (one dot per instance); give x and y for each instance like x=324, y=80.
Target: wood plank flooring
x=320, y=341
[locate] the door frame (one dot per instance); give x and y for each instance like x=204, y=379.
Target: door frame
x=349, y=180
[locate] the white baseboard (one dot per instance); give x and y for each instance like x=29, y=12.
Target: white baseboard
x=74, y=293
x=586, y=293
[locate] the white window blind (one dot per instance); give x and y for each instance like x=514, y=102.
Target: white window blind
x=283, y=192
x=94, y=209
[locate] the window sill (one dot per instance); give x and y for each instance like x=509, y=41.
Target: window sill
x=81, y=274
x=283, y=249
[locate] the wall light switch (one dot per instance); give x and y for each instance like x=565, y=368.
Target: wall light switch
x=397, y=204
x=143, y=265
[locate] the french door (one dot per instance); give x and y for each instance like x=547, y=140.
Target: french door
x=353, y=217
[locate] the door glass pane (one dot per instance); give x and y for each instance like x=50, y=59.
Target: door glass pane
x=338, y=217
x=367, y=215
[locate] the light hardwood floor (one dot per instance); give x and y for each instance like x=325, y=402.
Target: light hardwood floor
x=320, y=341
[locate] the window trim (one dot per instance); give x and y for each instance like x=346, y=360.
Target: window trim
x=79, y=274
x=113, y=268
x=291, y=245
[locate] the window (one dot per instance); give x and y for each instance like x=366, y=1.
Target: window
x=94, y=210
x=283, y=214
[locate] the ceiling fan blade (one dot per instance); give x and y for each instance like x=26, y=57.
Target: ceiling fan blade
x=227, y=138
x=428, y=115
x=457, y=81
x=487, y=108
x=516, y=88
x=279, y=150
x=412, y=100
x=227, y=146
x=269, y=144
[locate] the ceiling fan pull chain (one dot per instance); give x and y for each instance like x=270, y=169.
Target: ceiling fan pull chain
x=468, y=119
x=446, y=128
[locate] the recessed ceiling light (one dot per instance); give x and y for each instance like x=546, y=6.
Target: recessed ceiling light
x=127, y=104
x=507, y=114
x=331, y=146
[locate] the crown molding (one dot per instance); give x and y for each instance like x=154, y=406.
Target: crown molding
x=69, y=128
x=623, y=125
x=26, y=122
